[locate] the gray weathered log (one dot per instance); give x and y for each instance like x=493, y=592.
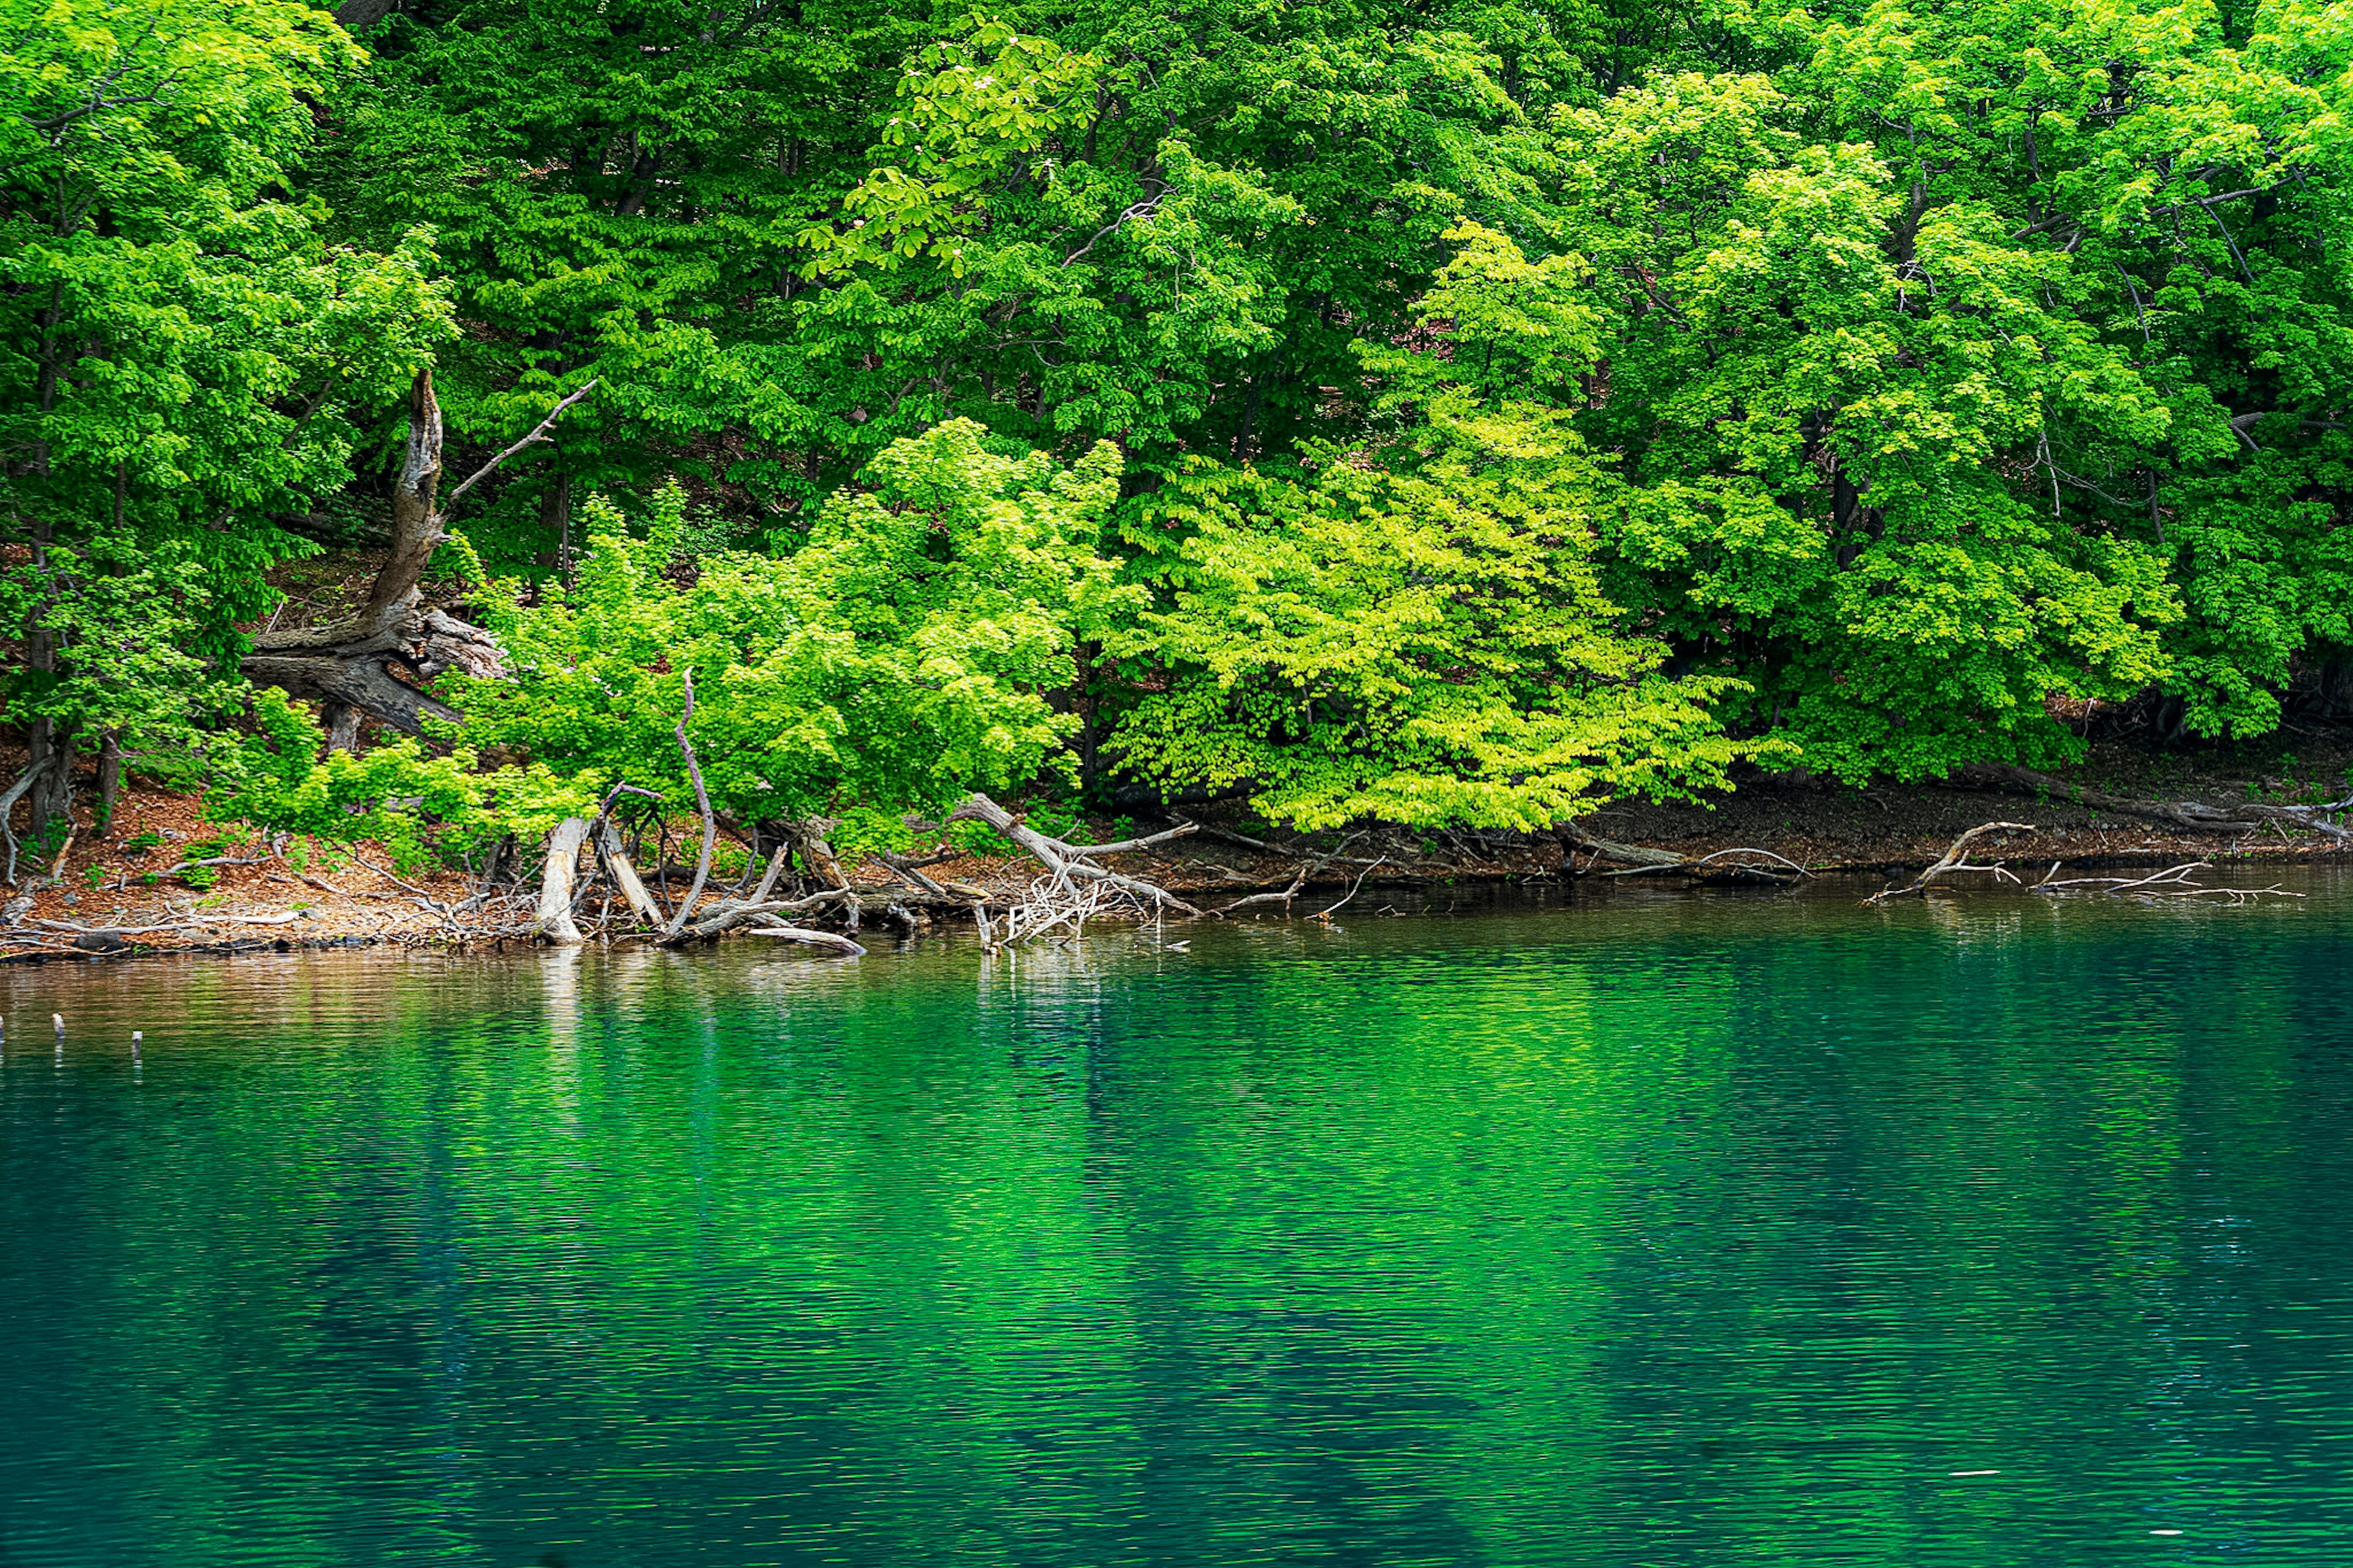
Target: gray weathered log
x=554, y=923
x=838, y=943
x=625, y=876
x=2197, y=816
x=1574, y=837
x=702, y=802
x=1073, y=863
x=375, y=664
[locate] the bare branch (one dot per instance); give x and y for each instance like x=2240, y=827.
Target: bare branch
x=702, y=802
x=1955, y=859
x=536, y=437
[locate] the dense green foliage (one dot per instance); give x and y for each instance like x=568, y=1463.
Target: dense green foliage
x=1451, y=415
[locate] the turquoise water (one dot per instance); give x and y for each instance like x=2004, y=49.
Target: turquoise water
x=1652, y=1230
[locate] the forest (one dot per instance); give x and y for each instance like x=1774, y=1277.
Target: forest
x=1425, y=412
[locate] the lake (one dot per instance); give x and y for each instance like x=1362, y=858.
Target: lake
x=1642, y=1229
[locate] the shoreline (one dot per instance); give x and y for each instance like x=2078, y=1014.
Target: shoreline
x=142, y=889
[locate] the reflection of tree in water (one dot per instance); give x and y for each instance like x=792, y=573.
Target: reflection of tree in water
x=1640, y=1231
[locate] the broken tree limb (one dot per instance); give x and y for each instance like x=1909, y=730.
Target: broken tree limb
x=838, y=943
x=617, y=860
x=1307, y=868
x=1070, y=864
x=702, y=802
x=2197, y=816
x=1701, y=869
x=1574, y=837
x=1956, y=859
x=538, y=436
x=25, y=782
x=554, y=923
x=1325, y=915
x=375, y=664
x=727, y=914
x=625, y=876
x=910, y=870
x=1283, y=897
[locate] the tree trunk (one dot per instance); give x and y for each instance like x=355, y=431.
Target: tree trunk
x=342, y=722
x=554, y=922
x=1574, y=837
x=624, y=876
x=110, y=779
x=53, y=793
x=370, y=666
x=556, y=517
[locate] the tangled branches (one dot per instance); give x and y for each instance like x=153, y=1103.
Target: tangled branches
x=1955, y=861
x=2173, y=882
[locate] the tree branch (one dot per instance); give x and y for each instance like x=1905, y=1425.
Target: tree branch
x=537, y=436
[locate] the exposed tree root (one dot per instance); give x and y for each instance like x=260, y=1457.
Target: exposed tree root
x=375, y=664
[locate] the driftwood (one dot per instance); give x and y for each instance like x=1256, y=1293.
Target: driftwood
x=374, y=664
x=2197, y=816
x=1072, y=864
x=2173, y=882
x=1955, y=860
x=554, y=923
x=838, y=943
x=729, y=914
x=702, y=802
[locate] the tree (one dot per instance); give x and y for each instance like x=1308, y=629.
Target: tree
x=905, y=655
x=1414, y=631
x=1834, y=407
x=178, y=346
x=786, y=237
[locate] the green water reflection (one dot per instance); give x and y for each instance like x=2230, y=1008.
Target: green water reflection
x=1657, y=1231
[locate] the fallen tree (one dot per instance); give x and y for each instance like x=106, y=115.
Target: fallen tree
x=375, y=664
x=1635, y=860
x=1955, y=861
x=1070, y=864
x=2197, y=816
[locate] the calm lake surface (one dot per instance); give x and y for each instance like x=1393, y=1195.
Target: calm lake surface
x=1648, y=1229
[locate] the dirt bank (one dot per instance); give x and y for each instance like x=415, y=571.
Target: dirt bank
x=161, y=878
